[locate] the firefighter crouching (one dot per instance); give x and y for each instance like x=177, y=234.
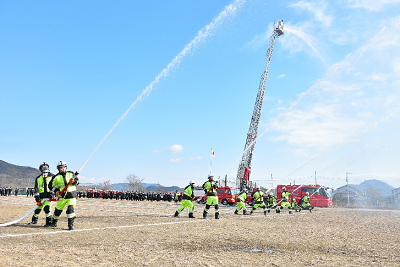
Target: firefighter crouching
x=258, y=198
x=42, y=191
x=188, y=196
x=305, y=204
x=293, y=205
x=64, y=180
x=241, y=202
x=271, y=202
x=285, y=200
x=210, y=188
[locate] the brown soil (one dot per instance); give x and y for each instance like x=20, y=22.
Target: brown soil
x=125, y=233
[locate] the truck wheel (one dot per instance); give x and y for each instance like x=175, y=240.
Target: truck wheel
x=202, y=201
x=224, y=202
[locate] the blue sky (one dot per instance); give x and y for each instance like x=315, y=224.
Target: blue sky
x=149, y=87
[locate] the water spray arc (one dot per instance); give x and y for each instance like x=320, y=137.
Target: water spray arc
x=243, y=174
x=228, y=12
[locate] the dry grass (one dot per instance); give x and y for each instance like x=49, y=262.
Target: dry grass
x=120, y=233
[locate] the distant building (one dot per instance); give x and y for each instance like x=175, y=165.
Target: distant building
x=347, y=194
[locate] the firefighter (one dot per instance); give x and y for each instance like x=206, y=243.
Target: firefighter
x=294, y=205
x=210, y=188
x=305, y=204
x=241, y=202
x=42, y=192
x=271, y=202
x=176, y=196
x=285, y=200
x=188, y=196
x=64, y=185
x=258, y=199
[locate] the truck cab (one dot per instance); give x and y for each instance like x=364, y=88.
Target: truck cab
x=226, y=195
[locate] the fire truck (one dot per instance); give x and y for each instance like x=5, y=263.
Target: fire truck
x=227, y=195
x=319, y=195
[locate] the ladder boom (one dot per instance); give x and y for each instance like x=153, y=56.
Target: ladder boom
x=243, y=174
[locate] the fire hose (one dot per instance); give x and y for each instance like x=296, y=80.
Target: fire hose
x=60, y=195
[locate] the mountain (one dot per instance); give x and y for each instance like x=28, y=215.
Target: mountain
x=150, y=187
x=384, y=189
x=17, y=176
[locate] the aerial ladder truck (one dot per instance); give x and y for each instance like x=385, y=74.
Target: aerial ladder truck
x=244, y=170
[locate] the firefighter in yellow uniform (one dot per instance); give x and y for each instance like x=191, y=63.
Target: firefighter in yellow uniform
x=42, y=192
x=210, y=188
x=285, y=200
x=69, y=180
x=258, y=198
x=188, y=195
x=305, y=204
x=241, y=202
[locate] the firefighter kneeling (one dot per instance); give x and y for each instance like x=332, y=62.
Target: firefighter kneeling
x=241, y=202
x=258, y=197
x=285, y=201
x=305, y=204
x=188, y=195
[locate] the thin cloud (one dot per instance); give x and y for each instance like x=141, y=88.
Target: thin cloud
x=175, y=149
x=175, y=160
x=317, y=8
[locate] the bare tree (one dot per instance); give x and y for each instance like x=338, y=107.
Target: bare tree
x=134, y=182
x=106, y=185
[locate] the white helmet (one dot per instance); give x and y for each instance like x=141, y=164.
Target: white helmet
x=45, y=169
x=192, y=182
x=307, y=194
x=257, y=187
x=283, y=188
x=210, y=175
x=61, y=164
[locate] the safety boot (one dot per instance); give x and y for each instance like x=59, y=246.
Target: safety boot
x=204, y=214
x=71, y=223
x=191, y=215
x=48, y=221
x=269, y=211
x=251, y=212
x=290, y=212
x=217, y=215
x=265, y=213
x=244, y=212
x=54, y=223
x=34, y=220
x=236, y=211
x=176, y=214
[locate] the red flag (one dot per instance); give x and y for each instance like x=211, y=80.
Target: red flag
x=212, y=153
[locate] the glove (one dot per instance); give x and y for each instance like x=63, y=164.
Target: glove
x=37, y=198
x=76, y=173
x=52, y=195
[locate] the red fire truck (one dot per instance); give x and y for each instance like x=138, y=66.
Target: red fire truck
x=319, y=195
x=226, y=195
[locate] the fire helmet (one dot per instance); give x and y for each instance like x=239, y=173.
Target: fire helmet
x=257, y=187
x=61, y=164
x=210, y=176
x=192, y=182
x=42, y=165
x=283, y=188
x=307, y=193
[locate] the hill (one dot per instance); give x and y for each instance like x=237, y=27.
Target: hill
x=384, y=189
x=16, y=176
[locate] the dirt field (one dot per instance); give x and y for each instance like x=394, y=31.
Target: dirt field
x=125, y=233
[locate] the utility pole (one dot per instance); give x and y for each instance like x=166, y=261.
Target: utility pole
x=348, y=192
x=315, y=177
